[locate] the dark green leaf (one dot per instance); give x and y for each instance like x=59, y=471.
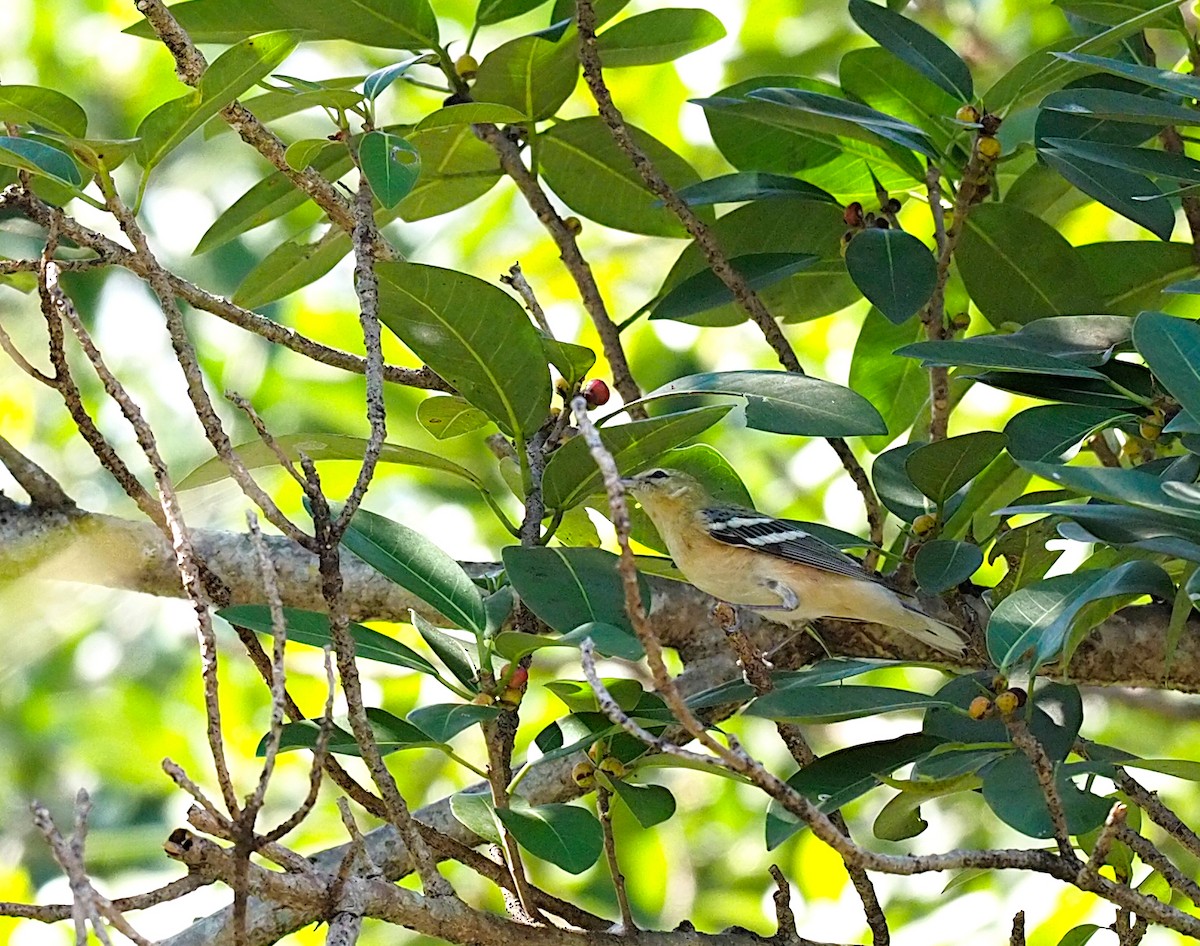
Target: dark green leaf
x=380, y=79
x=25, y=154
x=895, y=487
x=583, y=165
x=785, y=403
x=407, y=25
x=312, y=628
x=610, y=640
x=1078, y=935
x=319, y=446
x=474, y=335
x=392, y=734
x=1133, y=486
x=1074, y=390
x=1131, y=275
x=450, y=651
x=1030, y=627
x=941, y=468
x=875, y=76
x=944, y=564
x=571, y=475
x=1116, y=105
x=530, y=74
x=1126, y=192
x=1127, y=526
x=894, y=269
x=1171, y=347
x=474, y=810
x=497, y=11
x=1011, y=789
x=705, y=290
x=916, y=46
x=650, y=804
x=391, y=164
x=1110, y=12
x=410, y=560
x=897, y=387
x=44, y=108
x=447, y=416
x=457, y=169
x=572, y=361
x=836, y=779
x=1052, y=432
x=994, y=351
x=569, y=587
x=1018, y=268
x=565, y=835
x=834, y=704
x=1001, y=482
x=830, y=670
x=657, y=36
x=747, y=186
x=1177, y=83
x=443, y=721
x=1190, y=286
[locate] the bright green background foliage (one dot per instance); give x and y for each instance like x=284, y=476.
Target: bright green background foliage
x=805, y=109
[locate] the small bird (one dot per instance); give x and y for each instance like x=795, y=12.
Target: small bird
x=772, y=566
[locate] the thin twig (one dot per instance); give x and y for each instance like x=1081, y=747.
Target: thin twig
x=603, y=799
x=517, y=280
x=44, y=490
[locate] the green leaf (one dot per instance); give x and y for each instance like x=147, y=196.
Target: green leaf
x=610, y=640
x=1000, y=483
x=530, y=74
x=447, y=416
x=410, y=560
x=1078, y=935
x=474, y=810
x=1013, y=792
x=391, y=164
x=650, y=804
x=791, y=225
x=895, y=487
x=300, y=154
x=1127, y=192
x=1110, y=12
x=469, y=113
x=565, y=835
x=25, y=154
x=704, y=290
x=995, y=351
x=230, y=74
x=802, y=704
x=897, y=387
x=457, y=169
x=894, y=269
x=1127, y=526
x=1052, y=432
x=571, y=475
x=838, y=778
x=1017, y=268
x=1171, y=347
x=312, y=628
x=579, y=696
x=474, y=335
x=1133, y=486
x=784, y=402
x=392, y=734
x=497, y=11
x=1029, y=628
x=450, y=651
x=900, y=819
x=941, y=468
x=380, y=79
x=944, y=564
x=572, y=361
x=410, y=24
x=255, y=454
x=1132, y=275
x=569, y=587
x=45, y=108
x=1116, y=105
x=290, y=267
x=595, y=178
x=1176, y=83
x=443, y=721
x=657, y=36
x=916, y=46
x=747, y=186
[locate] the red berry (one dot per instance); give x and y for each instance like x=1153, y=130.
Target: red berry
x=853, y=214
x=595, y=392
x=519, y=678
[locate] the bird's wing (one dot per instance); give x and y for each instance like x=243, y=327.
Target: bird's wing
x=784, y=538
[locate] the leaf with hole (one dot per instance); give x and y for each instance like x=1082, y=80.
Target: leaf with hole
x=391, y=164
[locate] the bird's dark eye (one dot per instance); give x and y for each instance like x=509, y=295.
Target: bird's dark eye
x=657, y=475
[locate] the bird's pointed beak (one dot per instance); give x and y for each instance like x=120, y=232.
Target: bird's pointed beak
x=628, y=483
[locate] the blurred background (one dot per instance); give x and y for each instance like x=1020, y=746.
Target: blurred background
x=98, y=686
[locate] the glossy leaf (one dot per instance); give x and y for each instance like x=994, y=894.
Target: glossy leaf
x=1018, y=268
x=895, y=487
x=835, y=704
x=312, y=628
x=475, y=812
x=572, y=361
x=916, y=46
x=380, y=79
x=443, y=721
x=650, y=804
x=657, y=36
x=565, y=835
x=229, y=75
x=474, y=335
x=1053, y=431
x=583, y=166
x=888, y=84
x=941, y=468
x=449, y=650
x=391, y=164
x=447, y=416
x=1176, y=83
x=407, y=25
x=894, y=269
x=572, y=475
x=1117, y=105
x=1014, y=794
x=1127, y=192
x=569, y=587
x=410, y=560
x=468, y=113
x=897, y=387
x=1029, y=628
x=944, y=564
x=254, y=455
x=1132, y=275
x=704, y=290
x=26, y=154
x=1171, y=347
x=750, y=185
x=785, y=403
x=43, y=108
x=392, y=734
x=290, y=267
x=456, y=167
x=530, y=74
x=1114, y=484
x=987, y=351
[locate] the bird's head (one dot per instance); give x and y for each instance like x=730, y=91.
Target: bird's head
x=658, y=487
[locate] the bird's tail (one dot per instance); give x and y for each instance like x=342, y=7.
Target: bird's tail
x=931, y=631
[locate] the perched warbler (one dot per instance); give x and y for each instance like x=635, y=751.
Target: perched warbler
x=772, y=566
